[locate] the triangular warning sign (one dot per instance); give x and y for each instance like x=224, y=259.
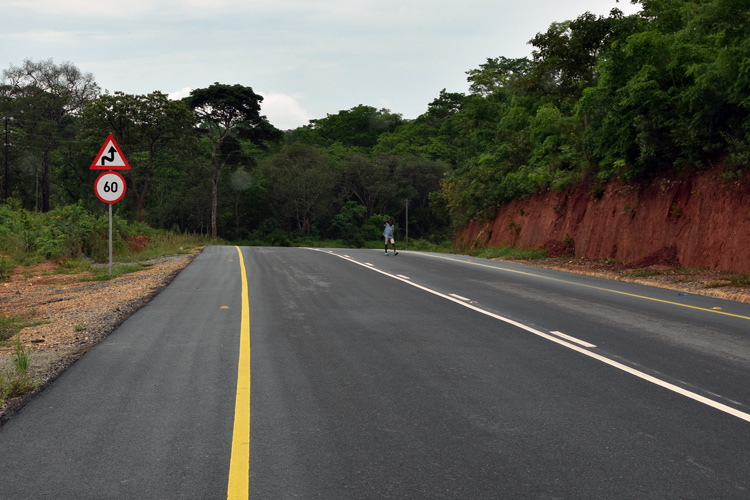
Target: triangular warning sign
x=110, y=157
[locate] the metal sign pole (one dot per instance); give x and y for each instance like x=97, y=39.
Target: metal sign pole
x=110, y=239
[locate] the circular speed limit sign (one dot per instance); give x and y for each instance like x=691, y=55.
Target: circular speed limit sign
x=110, y=187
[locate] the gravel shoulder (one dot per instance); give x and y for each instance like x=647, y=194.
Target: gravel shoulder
x=717, y=284
x=70, y=315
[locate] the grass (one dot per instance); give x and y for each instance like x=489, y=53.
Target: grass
x=14, y=383
x=645, y=273
x=10, y=326
x=6, y=267
x=507, y=253
x=169, y=244
x=17, y=381
x=733, y=279
x=74, y=266
x=102, y=273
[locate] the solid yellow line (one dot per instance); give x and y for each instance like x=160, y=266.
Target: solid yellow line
x=239, y=466
x=643, y=297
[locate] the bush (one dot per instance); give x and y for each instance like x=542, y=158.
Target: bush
x=348, y=224
x=72, y=232
x=373, y=228
x=6, y=268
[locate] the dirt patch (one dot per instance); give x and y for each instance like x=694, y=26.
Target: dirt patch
x=697, y=222
x=69, y=315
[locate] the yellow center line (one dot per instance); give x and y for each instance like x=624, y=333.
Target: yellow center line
x=715, y=311
x=239, y=466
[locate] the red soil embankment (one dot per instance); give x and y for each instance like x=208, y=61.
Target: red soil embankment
x=700, y=222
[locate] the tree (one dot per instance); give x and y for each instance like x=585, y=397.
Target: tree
x=500, y=77
x=366, y=181
x=47, y=93
x=673, y=89
x=144, y=126
x=358, y=127
x=224, y=112
x=431, y=135
x=301, y=183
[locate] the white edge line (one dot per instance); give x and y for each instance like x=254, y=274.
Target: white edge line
x=573, y=339
x=644, y=376
x=459, y=297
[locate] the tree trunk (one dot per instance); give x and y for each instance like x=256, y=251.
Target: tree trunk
x=45, y=182
x=139, y=208
x=214, y=202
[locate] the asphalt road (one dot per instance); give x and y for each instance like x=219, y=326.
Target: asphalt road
x=417, y=376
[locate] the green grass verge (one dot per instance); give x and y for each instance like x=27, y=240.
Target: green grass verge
x=102, y=273
x=11, y=325
x=17, y=381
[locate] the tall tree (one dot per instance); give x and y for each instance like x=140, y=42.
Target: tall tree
x=501, y=77
x=144, y=125
x=301, y=183
x=224, y=114
x=365, y=181
x=567, y=54
x=49, y=92
x=358, y=127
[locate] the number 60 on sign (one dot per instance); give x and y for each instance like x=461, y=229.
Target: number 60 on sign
x=110, y=187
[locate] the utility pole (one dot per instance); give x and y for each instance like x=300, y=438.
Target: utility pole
x=406, y=240
x=6, y=190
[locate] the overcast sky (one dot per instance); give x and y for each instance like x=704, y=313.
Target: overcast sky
x=308, y=58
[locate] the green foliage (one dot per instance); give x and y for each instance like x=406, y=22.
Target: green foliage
x=61, y=233
x=146, y=128
x=661, y=92
x=348, y=224
x=631, y=97
x=229, y=122
x=74, y=266
x=517, y=253
x=732, y=279
x=10, y=326
x=302, y=181
x=102, y=273
x=373, y=227
x=667, y=97
x=18, y=381
x=20, y=358
x=436, y=244
x=6, y=267
x=71, y=232
x=358, y=127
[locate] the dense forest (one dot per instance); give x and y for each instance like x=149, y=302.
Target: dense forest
x=665, y=91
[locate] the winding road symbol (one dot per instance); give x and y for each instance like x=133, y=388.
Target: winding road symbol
x=110, y=157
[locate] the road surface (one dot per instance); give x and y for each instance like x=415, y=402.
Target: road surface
x=274, y=373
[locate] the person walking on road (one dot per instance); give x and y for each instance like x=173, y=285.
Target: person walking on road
x=388, y=234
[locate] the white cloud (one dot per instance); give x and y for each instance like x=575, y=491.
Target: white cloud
x=284, y=111
x=82, y=8
x=180, y=94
